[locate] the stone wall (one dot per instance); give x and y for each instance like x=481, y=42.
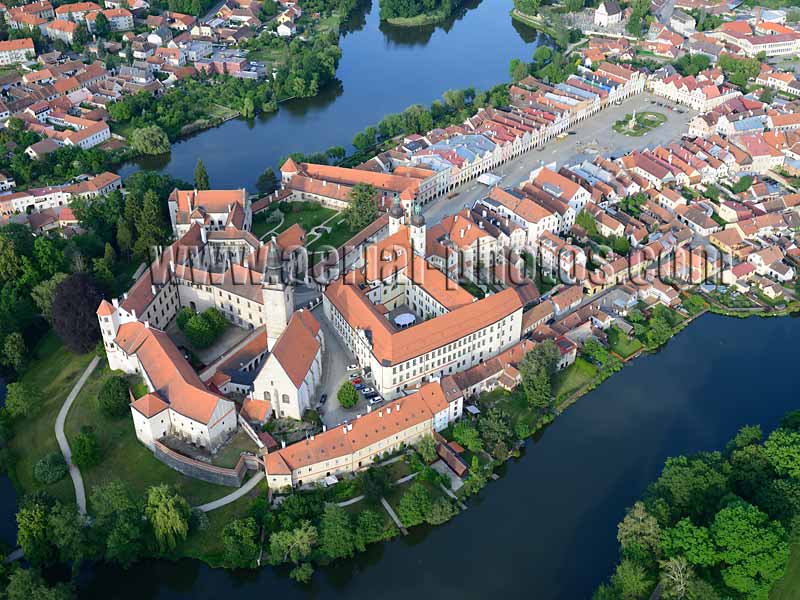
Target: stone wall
x=201, y=470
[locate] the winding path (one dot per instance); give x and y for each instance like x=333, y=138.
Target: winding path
x=233, y=496
x=74, y=472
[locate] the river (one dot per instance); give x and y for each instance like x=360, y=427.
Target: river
x=383, y=70
x=547, y=529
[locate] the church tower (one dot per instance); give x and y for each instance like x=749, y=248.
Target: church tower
x=418, y=233
x=395, y=217
x=278, y=296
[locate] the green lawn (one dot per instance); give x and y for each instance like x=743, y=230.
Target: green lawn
x=788, y=588
x=306, y=214
x=621, y=344
x=53, y=371
x=573, y=378
x=645, y=121
x=338, y=235
x=123, y=456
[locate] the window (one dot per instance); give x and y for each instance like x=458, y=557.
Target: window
x=285, y=399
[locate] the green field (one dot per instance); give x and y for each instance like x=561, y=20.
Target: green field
x=122, y=455
x=645, y=121
x=572, y=379
x=788, y=588
x=53, y=371
x=621, y=344
x=306, y=214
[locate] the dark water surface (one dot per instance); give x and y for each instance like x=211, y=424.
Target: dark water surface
x=547, y=529
x=383, y=70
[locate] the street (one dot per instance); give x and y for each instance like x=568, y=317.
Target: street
x=592, y=137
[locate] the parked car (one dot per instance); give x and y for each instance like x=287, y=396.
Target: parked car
x=367, y=391
x=375, y=400
x=352, y=367
x=359, y=386
x=354, y=376
x=323, y=399
x=356, y=380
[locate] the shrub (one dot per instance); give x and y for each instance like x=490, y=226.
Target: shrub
x=50, y=468
x=114, y=399
x=85, y=449
x=22, y=400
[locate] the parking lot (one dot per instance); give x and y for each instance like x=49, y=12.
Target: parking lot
x=591, y=137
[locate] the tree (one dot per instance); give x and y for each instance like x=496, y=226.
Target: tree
x=168, y=514
x=535, y=383
x=427, y=449
x=466, y=435
x=494, y=427
x=375, y=483
x=240, y=543
x=101, y=25
x=441, y=511
x=337, y=536
x=117, y=522
x=693, y=486
x=267, y=182
x=43, y=293
x=691, y=542
x=782, y=449
x=201, y=176
x=33, y=533
x=22, y=400
x=69, y=534
x=369, y=529
x=630, y=581
x=50, y=468
x=74, y=313
x=753, y=549
x=639, y=530
x=415, y=505
x=517, y=69
x=85, y=449
x=150, y=225
x=347, y=395
x=361, y=211
x=113, y=400
x=14, y=351
x=27, y=584
x=676, y=577
x=293, y=545
x=149, y=139
x=124, y=237
x=302, y=573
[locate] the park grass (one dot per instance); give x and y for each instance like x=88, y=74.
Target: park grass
x=306, y=214
x=123, y=457
x=787, y=588
x=573, y=379
x=338, y=235
x=53, y=371
x=645, y=121
x=621, y=344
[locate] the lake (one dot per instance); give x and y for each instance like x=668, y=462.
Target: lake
x=383, y=70
x=547, y=529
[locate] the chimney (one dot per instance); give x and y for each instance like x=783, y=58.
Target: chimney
x=312, y=437
x=380, y=413
x=350, y=427
x=324, y=183
x=324, y=428
x=388, y=410
x=115, y=302
x=397, y=407
x=283, y=443
x=147, y=324
x=172, y=266
x=203, y=234
x=153, y=290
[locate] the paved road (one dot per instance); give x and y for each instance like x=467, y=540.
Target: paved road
x=74, y=472
x=592, y=137
x=233, y=496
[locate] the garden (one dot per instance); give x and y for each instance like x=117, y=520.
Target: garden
x=639, y=124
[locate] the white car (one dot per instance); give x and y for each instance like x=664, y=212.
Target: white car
x=367, y=391
x=375, y=400
x=352, y=367
x=354, y=376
